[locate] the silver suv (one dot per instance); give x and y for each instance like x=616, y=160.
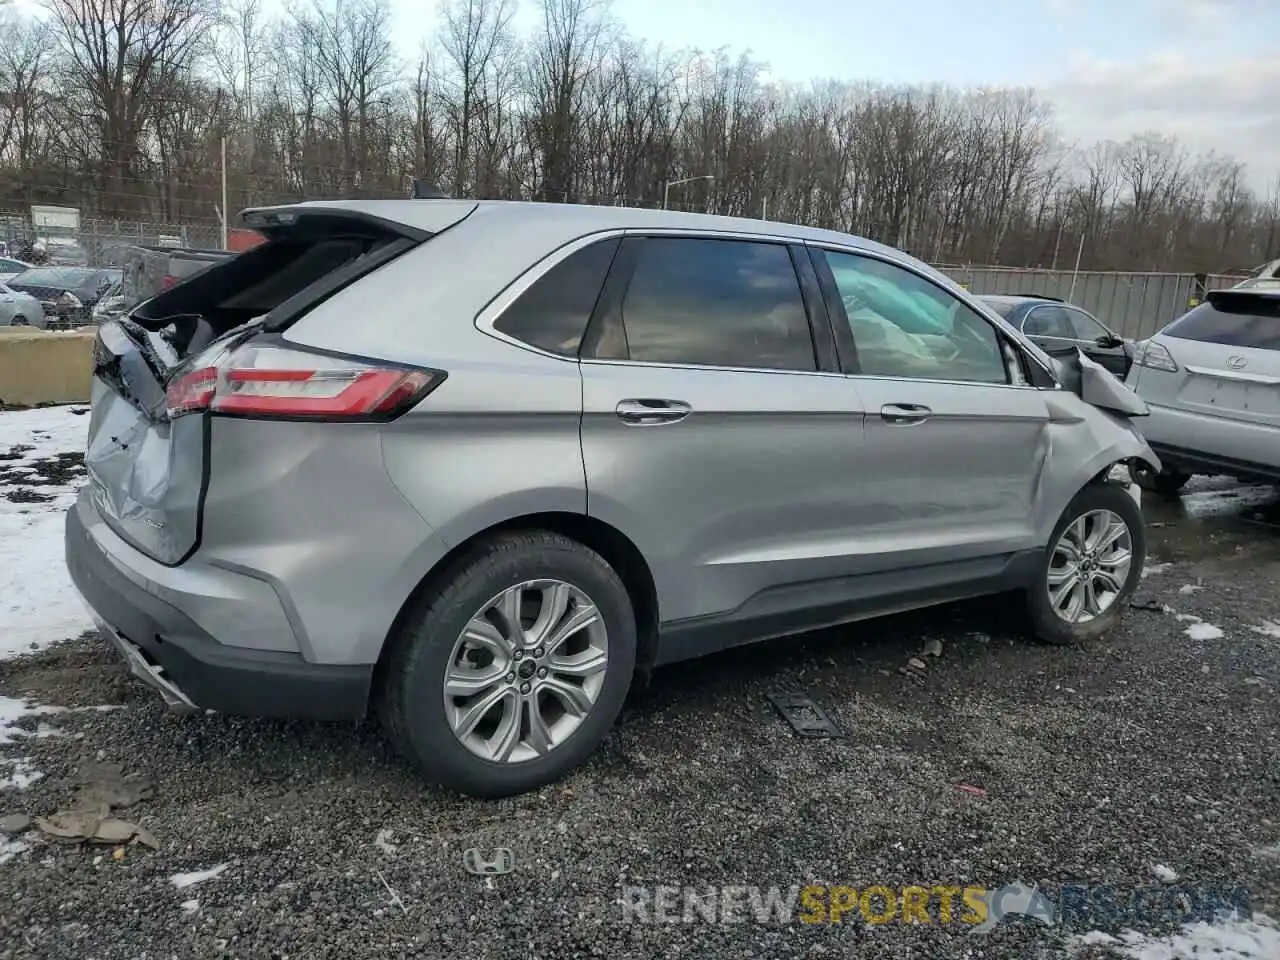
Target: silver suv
x=475, y=465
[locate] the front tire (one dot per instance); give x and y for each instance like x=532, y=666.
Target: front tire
x=1091, y=566
x=509, y=672
x=18, y=320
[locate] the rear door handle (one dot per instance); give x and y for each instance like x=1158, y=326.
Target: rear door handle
x=905, y=413
x=652, y=413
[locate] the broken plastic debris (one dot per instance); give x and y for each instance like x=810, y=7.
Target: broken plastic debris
x=933, y=648
x=966, y=788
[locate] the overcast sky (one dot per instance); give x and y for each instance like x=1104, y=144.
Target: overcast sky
x=1206, y=70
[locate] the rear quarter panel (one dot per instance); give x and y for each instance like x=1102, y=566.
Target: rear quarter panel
x=499, y=439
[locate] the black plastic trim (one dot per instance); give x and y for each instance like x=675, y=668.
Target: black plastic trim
x=311, y=215
x=799, y=607
x=1197, y=461
x=815, y=307
x=214, y=676
x=841, y=331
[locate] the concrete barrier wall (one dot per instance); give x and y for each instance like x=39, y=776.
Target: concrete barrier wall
x=39, y=367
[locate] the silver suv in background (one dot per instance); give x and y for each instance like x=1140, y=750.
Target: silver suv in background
x=477, y=464
x=1212, y=382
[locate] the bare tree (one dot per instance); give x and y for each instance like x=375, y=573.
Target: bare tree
x=476, y=39
x=120, y=56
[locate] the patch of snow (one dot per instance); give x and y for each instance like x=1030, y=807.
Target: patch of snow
x=189, y=906
x=183, y=880
x=383, y=842
x=1231, y=939
x=10, y=849
x=38, y=604
x=1204, y=631
x=17, y=773
x=1190, y=588
x=1151, y=568
x=1269, y=628
x=11, y=711
x=1164, y=874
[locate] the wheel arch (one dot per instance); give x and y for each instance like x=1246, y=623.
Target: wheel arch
x=613, y=545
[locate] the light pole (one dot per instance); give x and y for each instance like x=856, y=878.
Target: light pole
x=666, y=187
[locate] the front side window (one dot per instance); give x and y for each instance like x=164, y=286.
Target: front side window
x=723, y=303
x=907, y=327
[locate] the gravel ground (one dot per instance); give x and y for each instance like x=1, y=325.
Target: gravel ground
x=1093, y=765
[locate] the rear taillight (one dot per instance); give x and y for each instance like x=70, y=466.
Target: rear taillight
x=167, y=282
x=1155, y=356
x=275, y=382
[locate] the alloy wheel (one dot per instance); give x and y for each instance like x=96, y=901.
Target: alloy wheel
x=526, y=671
x=1089, y=566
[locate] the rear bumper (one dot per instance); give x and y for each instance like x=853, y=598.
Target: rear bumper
x=1196, y=443
x=168, y=650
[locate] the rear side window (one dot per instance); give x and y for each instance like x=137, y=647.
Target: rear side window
x=723, y=303
x=552, y=314
x=1237, y=320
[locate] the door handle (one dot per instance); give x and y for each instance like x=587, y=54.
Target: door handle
x=905, y=413
x=651, y=413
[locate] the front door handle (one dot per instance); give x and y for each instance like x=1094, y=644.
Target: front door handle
x=905, y=413
x=652, y=413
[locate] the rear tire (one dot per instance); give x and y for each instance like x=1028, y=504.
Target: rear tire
x=1100, y=511
x=18, y=320
x=1166, y=483
x=459, y=629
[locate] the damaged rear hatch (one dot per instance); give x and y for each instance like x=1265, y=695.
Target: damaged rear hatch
x=149, y=465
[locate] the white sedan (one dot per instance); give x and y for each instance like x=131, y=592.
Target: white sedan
x=18, y=309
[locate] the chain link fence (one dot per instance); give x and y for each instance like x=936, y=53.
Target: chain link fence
x=98, y=243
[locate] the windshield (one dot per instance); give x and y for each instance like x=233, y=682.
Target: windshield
x=58, y=277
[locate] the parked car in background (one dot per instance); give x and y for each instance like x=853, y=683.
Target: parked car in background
x=65, y=252
x=476, y=464
x=149, y=270
x=1057, y=327
x=67, y=294
x=1266, y=276
x=1211, y=379
x=19, y=309
x=10, y=268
